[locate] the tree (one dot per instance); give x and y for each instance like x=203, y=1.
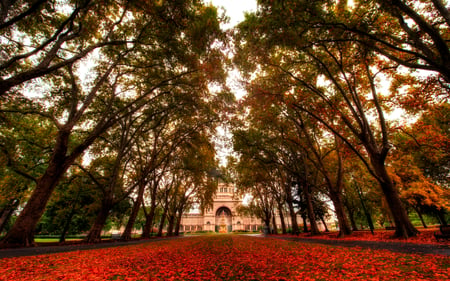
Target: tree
x=418, y=191
x=149, y=154
x=424, y=145
x=158, y=177
x=279, y=195
x=44, y=37
x=253, y=177
x=109, y=172
x=21, y=141
x=72, y=207
x=195, y=185
x=428, y=141
x=330, y=79
x=323, y=160
x=127, y=78
x=417, y=36
x=262, y=170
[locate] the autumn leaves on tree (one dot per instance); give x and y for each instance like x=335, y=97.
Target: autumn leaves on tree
x=327, y=63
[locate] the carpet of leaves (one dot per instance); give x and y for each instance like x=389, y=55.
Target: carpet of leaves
x=426, y=236
x=227, y=257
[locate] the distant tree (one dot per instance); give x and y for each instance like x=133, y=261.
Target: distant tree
x=418, y=191
x=72, y=208
x=428, y=141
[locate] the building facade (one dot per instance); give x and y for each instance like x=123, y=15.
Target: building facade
x=223, y=216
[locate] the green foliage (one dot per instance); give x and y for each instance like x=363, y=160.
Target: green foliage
x=98, y=75
x=74, y=204
x=22, y=141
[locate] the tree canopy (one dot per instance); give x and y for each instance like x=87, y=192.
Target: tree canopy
x=114, y=106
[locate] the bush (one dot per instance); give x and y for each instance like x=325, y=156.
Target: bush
x=204, y=231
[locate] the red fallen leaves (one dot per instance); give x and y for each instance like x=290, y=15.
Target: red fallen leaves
x=226, y=257
x=426, y=236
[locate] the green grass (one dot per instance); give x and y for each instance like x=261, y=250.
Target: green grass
x=53, y=240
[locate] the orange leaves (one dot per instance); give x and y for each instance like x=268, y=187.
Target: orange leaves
x=225, y=258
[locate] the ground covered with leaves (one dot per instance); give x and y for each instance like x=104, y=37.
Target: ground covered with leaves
x=227, y=257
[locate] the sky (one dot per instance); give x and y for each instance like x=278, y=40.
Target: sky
x=235, y=9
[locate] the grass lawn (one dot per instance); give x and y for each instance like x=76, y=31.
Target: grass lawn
x=227, y=257
x=53, y=240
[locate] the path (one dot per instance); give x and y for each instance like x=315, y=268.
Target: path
x=42, y=250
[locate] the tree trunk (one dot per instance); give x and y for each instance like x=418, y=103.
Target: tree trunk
x=292, y=213
x=126, y=235
x=7, y=212
x=178, y=223
x=161, y=223
x=170, y=224
x=283, y=223
x=336, y=193
x=148, y=227
x=403, y=225
x=305, y=225
x=22, y=232
x=274, y=223
x=441, y=217
x=67, y=222
x=324, y=224
x=420, y=217
x=344, y=228
x=95, y=233
x=267, y=222
x=366, y=212
x=351, y=215
x=310, y=210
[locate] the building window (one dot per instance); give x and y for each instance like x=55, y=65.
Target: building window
x=208, y=223
x=225, y=189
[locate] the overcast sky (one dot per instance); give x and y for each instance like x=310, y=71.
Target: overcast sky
x=235, y=10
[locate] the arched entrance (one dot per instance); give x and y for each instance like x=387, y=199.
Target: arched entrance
x=223, y=220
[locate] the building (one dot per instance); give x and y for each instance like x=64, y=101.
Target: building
x=223, y=216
